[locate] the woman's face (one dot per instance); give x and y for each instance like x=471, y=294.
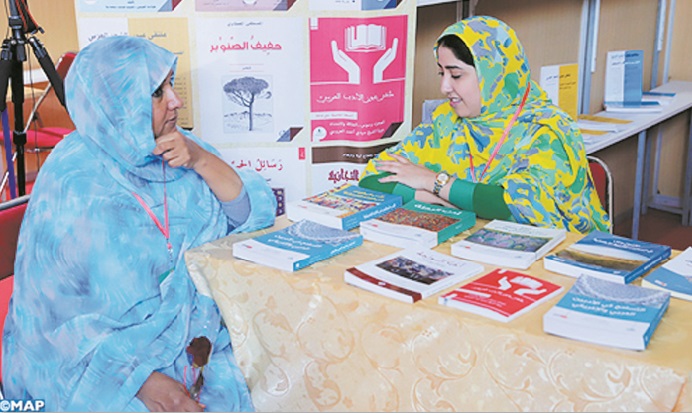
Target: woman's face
x=459, y=82
x=164, y=108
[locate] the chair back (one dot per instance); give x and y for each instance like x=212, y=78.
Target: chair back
x=11, y=215
x=603, y=180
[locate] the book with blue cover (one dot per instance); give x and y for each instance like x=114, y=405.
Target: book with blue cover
x=624, y=76
x=344, y=207
x=607, y=313
x=675, y=276
x=296, y=246
x=607, y=256
x=417, y=224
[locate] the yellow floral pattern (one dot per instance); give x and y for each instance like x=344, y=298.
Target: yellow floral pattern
x=541, y=165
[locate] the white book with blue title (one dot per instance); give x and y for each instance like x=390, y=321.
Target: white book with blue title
x=607, y=313
x=344, y=207
x=624, y=76
x=675, y=276
x=607, y=256
x=296, y=246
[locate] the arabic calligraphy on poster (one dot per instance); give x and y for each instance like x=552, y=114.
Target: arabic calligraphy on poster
x=126, y=6
x=169, y=33
x=283, y=168
x=357, y=77
x=336, y=165
x=249, y=76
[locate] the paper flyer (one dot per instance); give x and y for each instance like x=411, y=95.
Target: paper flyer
x=126, y=6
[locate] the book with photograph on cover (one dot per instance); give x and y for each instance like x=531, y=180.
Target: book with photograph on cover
x=417, y=224
x=508, y=244
x=344, y=207
x=501, y=294
x=296, y=246
x=607, y=256
x=675, y=276
x=607, y=313
x=411, y=275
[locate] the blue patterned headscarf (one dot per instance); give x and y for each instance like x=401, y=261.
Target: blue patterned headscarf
x=92, y=316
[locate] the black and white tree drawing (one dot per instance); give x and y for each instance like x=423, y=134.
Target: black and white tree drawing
x=245, y=91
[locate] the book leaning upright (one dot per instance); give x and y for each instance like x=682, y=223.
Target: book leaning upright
x=411, y=275
x=508, y=244
x=344, y=207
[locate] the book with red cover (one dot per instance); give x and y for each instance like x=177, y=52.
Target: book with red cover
x=501, y=294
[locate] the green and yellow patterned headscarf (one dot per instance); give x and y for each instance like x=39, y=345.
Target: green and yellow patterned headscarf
x=541, y=165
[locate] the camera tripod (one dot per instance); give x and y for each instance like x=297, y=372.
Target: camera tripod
x=13, y=54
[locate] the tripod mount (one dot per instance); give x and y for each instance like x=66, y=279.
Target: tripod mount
x=13, y=54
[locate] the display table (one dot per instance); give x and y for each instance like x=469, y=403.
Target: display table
x=306, y=341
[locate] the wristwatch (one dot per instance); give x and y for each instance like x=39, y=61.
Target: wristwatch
x=440, y=181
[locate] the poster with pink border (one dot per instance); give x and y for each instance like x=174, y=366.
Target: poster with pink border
x=357, y=77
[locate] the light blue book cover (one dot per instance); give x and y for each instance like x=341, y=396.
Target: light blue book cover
x=609, y=313
x=607, y=256
x=624, y=76
x=344, y=207
x=674, y=276
x=297, y=246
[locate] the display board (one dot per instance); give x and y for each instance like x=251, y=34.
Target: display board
x=303, y=91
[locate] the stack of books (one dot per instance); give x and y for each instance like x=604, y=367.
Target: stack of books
x=501, y=295
x=607, y=256
x=344, y=207
x=411, y=275
x=607, y=313
x=417, y=224
x=508, y=244
x=624, y=77
x=296, y=246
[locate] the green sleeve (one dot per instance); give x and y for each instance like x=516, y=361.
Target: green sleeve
x=372, y=182
x=487, y=201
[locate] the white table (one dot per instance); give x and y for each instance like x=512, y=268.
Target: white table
x=641, y=123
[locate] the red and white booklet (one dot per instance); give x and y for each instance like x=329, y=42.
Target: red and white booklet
x=501, y=294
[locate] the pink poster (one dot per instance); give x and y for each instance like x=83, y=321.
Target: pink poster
x=357, y=77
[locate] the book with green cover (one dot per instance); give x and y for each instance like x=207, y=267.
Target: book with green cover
x=417, y=224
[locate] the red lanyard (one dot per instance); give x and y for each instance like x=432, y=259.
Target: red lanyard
x=502, y=140
x=165, y=229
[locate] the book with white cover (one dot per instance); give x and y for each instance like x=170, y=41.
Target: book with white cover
x=296, y=246
x=411, y=275
x=501, y=294
x=674, y=276
x=633, y=107
x=508, y=244
x=607, y=313
x=344, y=207
x=624, y=76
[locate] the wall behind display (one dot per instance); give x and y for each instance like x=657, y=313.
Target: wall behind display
x=303, y=92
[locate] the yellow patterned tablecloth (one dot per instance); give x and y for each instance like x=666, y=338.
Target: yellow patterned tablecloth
x=306, y=341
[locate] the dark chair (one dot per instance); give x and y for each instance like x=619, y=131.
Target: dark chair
x=603, y=180
x=11, y=215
